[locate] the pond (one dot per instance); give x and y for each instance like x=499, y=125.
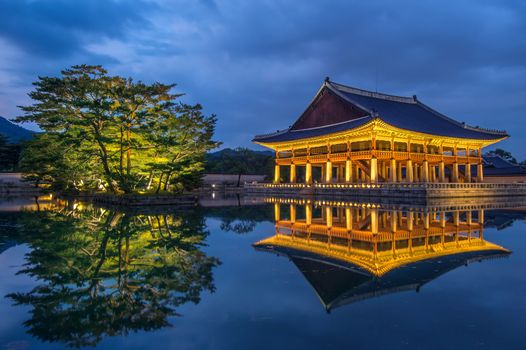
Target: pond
x=262, y=273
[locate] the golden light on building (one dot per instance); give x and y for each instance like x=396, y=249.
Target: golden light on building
x=379, y=250
x=349, y=135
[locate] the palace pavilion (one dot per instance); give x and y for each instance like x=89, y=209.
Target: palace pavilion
x=349, y=135
x=350, y=253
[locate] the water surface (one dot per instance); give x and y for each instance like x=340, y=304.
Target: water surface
x=282, y=276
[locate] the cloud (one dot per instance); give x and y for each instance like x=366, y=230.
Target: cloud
x=257, y=64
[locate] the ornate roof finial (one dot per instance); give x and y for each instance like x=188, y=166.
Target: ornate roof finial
x=327, y=79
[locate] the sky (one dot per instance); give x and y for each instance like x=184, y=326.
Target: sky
x=257, y=64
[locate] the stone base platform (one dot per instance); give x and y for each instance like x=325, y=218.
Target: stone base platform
x=392, y=190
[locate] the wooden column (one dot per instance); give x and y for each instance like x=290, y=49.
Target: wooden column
x=399, y=173
x=293, y=213
x=328, y=172
x=374, y=221
x=480, y=174
x=276, y=212
x=293, y=173
x=328, y=216
x=425, y=171
x=348, y=219
x=468, y=173
x=410, y=219
x=308, y=173
x=276, y=174
x=409, y=171
x=348, y=170
x=393, y=221
x=392, y=170
x=374, y=170
x=454, y=172
x=308, y=214
x=441, y=172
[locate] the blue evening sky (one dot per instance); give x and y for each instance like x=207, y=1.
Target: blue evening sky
x=256, y=64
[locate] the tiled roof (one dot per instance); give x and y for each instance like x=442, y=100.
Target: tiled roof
x=401, y=112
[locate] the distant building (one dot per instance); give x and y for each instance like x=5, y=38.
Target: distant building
x=349, y=135
x=500, y=170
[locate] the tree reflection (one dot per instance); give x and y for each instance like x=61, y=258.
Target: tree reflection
x=105, y=273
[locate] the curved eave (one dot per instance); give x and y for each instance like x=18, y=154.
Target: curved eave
x=374, y=267
x=374, y=123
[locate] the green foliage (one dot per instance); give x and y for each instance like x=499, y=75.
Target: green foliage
x=115, y=134
x=241, y=161
x=105, y=273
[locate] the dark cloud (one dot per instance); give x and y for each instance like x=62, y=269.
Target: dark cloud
x=258, y=63
x=61, y=27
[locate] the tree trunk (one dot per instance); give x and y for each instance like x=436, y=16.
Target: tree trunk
x=239, y=180
x=167, y=181
x=150, y=180
x=160, y=183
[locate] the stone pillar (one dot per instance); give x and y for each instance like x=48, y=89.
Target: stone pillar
x=416, y=175
x=308, y=214
x=348, y=170
x=399, y=173
x=426, y=221
x=348, y=219
x=374, y=170
x=480, y=174
x=328, y=172
x=425, y=171
x=308, y=173
x=410, y=219
x=409, y=171
x=276, y=174
x=293, y=173
x=392, y=170
x=454, y=173
x=441, y=172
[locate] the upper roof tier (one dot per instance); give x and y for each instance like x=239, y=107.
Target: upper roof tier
x=338, y=108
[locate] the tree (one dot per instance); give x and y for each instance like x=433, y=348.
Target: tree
x=241, y=161
x=505, y=155
x=104, y=273
x=125, y=129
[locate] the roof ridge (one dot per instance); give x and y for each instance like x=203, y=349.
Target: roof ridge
x=368, y=93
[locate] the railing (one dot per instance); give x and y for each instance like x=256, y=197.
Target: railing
x=385, y=185
x=367, y=154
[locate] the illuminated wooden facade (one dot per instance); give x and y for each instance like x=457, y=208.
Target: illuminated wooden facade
x=378, y=251
x=348, y=135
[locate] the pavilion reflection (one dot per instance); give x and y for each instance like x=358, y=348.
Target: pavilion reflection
x=353, y=252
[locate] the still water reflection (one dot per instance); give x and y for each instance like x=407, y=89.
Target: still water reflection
x=76, y=275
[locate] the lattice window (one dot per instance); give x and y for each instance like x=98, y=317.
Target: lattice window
x=361, y=146
x=339, y=148
x=319, y=150
x=383, y=145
